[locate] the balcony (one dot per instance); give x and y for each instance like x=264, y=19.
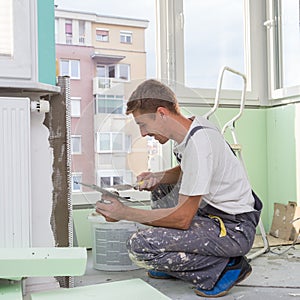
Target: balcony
x=105, y=85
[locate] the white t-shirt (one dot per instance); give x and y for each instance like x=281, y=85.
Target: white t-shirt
x=209, y=168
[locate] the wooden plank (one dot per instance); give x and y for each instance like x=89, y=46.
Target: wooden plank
x=31, y=262
x=133, y=289
x=10, y=290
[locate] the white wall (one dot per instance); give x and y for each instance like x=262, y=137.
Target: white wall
x=41, y=172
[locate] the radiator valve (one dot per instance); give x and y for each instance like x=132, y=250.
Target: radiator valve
x=41, y=106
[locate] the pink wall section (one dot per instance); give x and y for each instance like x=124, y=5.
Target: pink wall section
x=84, y=125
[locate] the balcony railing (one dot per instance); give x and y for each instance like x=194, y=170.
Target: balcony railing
x=113, y=86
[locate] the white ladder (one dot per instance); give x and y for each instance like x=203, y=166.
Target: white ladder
x=236, y=146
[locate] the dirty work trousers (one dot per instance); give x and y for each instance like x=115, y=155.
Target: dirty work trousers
x=199, y=254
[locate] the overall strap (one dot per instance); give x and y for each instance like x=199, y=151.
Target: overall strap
x=192, y=132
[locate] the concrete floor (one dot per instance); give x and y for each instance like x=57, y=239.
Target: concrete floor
x=275, y=275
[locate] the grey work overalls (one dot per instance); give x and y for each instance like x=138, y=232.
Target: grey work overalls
x=199, y=254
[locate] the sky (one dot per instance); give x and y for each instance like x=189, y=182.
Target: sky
x=139, y=9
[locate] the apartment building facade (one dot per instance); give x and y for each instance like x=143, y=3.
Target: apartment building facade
x=105, y=59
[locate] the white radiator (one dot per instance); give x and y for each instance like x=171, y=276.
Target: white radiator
x=15, y=183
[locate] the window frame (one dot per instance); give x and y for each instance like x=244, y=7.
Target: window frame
x=107, y=97
x=81, y=32
x=110, y=173
x=79, y=137
x=116, y=71
x=101, y=38
x=22, y=65
x=124, y=35
x=76, y=100
x=277, y=92
x=170, y=59
x=119, y=71
x=111, y=146
x=78, y=179
x=70, y=67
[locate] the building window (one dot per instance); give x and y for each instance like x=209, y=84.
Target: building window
x=70, y=68
x=101, y=71
x=110, y=142
x=108, y=178
x=81, y=25
x=126, y=37
x=68, y=31
x=108, y=181
x=75, y=107
x=109, y=104
x=6, y=25
x=75, y=144
x=120, y=71
x=76, y=177
x=128, y=143
x=123, y=72
x=112, y=71
x=102, y=35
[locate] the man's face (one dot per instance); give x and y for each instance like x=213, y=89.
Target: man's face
x=151, y=124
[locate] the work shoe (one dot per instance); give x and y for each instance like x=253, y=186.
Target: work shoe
x=159, y=275
x=232, y=275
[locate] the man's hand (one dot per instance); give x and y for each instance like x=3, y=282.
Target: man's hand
x=147, y=181
x=111, y=208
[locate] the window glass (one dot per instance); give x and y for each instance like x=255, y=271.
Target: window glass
x=126, y=37
x=117, y=180
x=68, y=31
x=75, y=186
x=101, y=71
x=81, y=32
x=75, y=144
x=102, y=35
x=75, y=107
x=68, y=27
x=110, y=141
x=18, y=60
x=111, y=71
x=75, y=69
x=64, y=68
x=144, y=10
x=6, y=28
x=213, y=38
x=104, y=141
x=124, y=71
x=109, y=104
x=290, y=42
x=105, y=181
x=70, y=68
x=128, y=143
x=117, y=141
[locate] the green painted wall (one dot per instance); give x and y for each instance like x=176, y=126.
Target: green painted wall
x=83, y=228
x=46, y=42
x=281, y=154
x=267, y=136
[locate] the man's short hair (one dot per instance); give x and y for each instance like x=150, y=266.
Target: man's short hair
x=150, y=95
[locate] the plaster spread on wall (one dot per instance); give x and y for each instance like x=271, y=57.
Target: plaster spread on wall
x=58, y=123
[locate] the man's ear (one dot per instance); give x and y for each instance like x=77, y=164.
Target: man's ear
x=162, y=111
